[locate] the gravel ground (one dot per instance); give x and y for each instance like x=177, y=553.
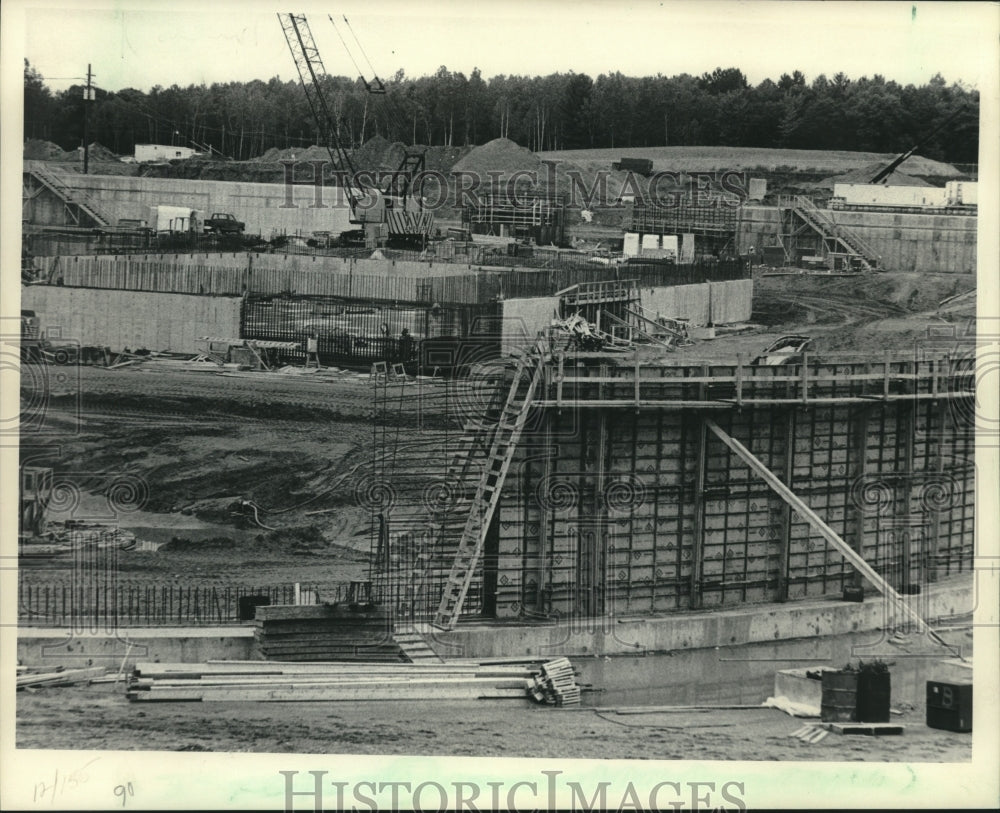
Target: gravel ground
x=99, y=717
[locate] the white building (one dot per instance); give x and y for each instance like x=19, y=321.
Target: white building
x=867, y=194
x=162, y=152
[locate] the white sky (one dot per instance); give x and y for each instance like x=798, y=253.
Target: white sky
x=143, y=44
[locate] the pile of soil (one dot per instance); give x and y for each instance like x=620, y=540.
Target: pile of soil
x=499, y=155
x=442, y=159
x=38, y=150
x=506, y=157
x=865, y=174
x=370, y=154
x=96, y=152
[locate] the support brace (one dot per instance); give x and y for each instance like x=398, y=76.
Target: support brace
x=823, y=529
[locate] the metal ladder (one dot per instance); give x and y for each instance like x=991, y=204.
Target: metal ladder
x=508, y=432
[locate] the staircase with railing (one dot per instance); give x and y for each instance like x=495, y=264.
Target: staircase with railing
x=836, y=237
x=78, y=203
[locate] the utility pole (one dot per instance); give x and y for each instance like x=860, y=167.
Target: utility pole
x=88, y=96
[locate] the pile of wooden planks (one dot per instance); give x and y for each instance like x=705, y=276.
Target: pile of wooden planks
x=556, y=684
x=258, y=681
x=325, y=633
x=34, y=678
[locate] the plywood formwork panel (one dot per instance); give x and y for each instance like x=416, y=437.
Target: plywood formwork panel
x=650, y=558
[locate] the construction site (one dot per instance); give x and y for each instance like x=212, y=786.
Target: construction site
x=661, y=465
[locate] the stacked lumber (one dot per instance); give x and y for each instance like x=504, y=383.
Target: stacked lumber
x=258, y=681
x=324, y=633
x=58, y=676
x=556, y=684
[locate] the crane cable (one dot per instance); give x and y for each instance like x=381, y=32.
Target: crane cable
x=389, y=112
x=349, y=54
x=361, y=48
x=393, y=119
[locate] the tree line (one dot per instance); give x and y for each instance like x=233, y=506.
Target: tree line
x=242, y=120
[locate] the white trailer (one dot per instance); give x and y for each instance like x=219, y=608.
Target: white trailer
x=176, y=219
x=864, y=194
x=162, y=152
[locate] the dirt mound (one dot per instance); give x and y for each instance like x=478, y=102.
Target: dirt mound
x=505, y=157
x=38, y=150
x=865, y=174
x=272, y=155
x=369, y=155
x=393, y=155
x=95, y=152
x=296, y=540
x=499, y=155
x=442, y=159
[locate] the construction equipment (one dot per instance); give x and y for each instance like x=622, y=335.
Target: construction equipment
x=887, y=170
x=786, y=350
x=527, y=375
x=391, y=209
x=640, y=166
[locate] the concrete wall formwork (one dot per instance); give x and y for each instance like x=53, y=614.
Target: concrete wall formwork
x=906, y=242
x=120, y=319
x=269, y=274
x=609, y=512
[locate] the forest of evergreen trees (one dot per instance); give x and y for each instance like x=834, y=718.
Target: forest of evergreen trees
x=562, y=111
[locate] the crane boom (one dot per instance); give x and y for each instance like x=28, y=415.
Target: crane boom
x=886, y=171
x=313, y=75
x=393, y=210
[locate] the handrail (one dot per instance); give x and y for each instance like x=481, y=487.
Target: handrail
x=69, y=194
x=837, y=230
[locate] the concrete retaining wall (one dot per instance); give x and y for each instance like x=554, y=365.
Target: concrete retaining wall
x=265, y=208
x=120, y=319
x=906, y=242
x=704, y=630
x=710, y=302
x=719, y=657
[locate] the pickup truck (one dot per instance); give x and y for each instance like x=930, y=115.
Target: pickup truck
x=223, y=223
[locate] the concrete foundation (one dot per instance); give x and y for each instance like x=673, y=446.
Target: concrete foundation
x=718, y=657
